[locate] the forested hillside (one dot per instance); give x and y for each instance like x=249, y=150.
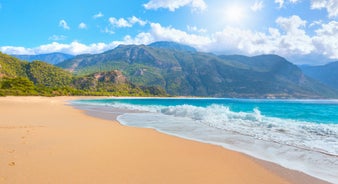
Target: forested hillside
x=40, y=78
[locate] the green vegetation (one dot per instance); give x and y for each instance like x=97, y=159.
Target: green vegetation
x=182, y=71
x=39, y=78
x=17, y=86
x=11, y=67
x=48, y=75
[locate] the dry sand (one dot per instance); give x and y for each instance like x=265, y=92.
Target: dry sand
x=43, y=140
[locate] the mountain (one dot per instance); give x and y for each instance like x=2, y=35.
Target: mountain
x=52, y=58
x=188, y=73
x=44, y=74
x=31, y=78
x=11, y=67
x=39, y=78
x=326, y=74
x=173, y=46
x=114, y=82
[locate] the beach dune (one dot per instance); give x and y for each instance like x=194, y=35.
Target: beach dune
x=44, y=140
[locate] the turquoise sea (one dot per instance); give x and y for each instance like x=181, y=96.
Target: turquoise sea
x=297, y=134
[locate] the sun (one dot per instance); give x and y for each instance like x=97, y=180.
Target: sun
x=234, y=13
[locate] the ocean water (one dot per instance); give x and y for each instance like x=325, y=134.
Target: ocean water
x=297, y=134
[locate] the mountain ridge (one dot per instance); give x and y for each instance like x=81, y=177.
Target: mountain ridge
x=172, y=45
x=188, y=73
x=327, y=74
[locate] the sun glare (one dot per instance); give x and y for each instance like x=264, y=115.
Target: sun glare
x=234, y=13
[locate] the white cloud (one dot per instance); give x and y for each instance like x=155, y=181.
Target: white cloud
x=134, y=20
x=330, y=5
x=129, y=22
x=315, y=23
x=295, y=39
x=291, y=24
x=172, y=5
x=82, y=26
x=119, y=22
x=141, y=38
x=160, y=33
x=57, y=37
x=288, y=38
x=326, y=40
x=257, y=6
x=64, y=24
x=318, y=4
x=17, y=50
x=280, y=2
x=72, y=48
x=98, y=15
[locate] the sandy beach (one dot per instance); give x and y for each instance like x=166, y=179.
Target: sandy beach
x=44, y=140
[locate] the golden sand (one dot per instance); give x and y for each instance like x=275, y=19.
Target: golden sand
x=43, y=140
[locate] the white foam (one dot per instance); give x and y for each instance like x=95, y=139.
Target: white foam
x=307, y=147
x=253, y=124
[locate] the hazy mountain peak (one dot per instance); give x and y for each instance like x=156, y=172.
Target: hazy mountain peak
x=172, y=45
x=51, y=58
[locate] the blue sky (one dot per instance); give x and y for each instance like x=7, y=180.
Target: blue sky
x=303, y=31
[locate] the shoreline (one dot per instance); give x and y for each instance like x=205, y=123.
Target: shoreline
x=50, y=133
x=295, y=176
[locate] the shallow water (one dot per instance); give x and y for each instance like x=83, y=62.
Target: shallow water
x=297, y=134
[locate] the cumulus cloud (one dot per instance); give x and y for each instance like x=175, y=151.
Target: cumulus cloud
x=330, y=5
x=257, y=6
x=17, y=50
x=64, y=24
x=315, y=23
x=82, y=26
x=296, y=38
x=98, y=15
x=326, y=40
x=282, y=2
x=159, y=32
x=291, y=24
x=119, y=22
x=172, y=5
x=74, y=48
x=129, y=22
x=141, y=38
x=288, y=38
x=135, y=20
